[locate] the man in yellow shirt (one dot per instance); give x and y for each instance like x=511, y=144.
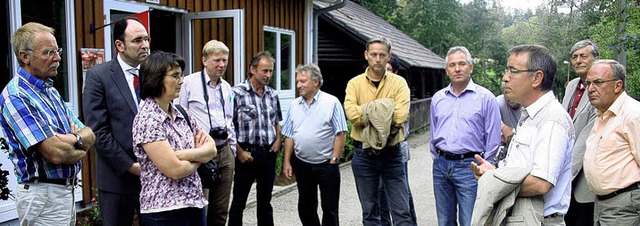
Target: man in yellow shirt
x=611, y=161
x=371, y=165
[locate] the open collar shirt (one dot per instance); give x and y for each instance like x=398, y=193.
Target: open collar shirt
x=32, y=111
x=612, y=158
x=255, y=118
x=220, y=104
x=313, y=127
x=469, y=122
x=543, y=142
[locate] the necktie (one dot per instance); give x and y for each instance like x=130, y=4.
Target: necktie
x=136, y=82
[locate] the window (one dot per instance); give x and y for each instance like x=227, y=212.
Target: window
x=281, y=44
x=52, y=14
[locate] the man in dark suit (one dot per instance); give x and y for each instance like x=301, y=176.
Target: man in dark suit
x=110, y=102
x=576, y=102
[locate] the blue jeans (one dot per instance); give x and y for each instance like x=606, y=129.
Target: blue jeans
x=190, y=216
x=368, y=170
x=385, y=218
x=455, y=189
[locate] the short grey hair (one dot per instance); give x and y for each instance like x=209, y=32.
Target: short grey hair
x=313, y=71
x=584, y=43
x=461, y=49
x=381, y=40
x=618, y=71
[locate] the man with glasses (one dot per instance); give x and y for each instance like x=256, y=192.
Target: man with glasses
x=378, y=89
x=465, y=121
x=544, y=135
x=210, y=98
x=576, y=102
x=46, y=140
x=110, y=102
x=611, y=163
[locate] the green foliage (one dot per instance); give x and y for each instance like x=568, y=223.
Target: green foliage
x=347, y=152
x=601, y=25
x=90, y=216
x=488, y=30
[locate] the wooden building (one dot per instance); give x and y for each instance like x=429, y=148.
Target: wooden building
x=342, y=37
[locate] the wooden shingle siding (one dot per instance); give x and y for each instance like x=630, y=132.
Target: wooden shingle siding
x=286, y=14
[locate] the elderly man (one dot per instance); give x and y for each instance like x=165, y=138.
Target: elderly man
x=544, y=136
x=611, y=160
x=465, y=121
x=110, y=102
x=375, y=158
x=576, y=102
x=210, y=98
x=315, y=128
x=256, y=119
x=46, y=140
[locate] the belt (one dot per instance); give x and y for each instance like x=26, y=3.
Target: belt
x=553, y=215
x=222, y=146
x=631, y=187
x=63, y=181
x=452, y=156
x=254, y=147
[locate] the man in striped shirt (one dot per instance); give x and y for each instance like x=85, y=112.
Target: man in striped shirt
x=46, y=139
x=256, y=119
x=315, y=128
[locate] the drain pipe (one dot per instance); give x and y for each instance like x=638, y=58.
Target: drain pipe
x=316, y=15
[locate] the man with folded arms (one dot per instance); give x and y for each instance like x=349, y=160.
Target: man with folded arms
x=612, y=158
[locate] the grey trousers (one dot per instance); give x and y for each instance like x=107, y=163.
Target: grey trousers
x=622, y=209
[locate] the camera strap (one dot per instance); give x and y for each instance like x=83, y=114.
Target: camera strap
x=206, y=100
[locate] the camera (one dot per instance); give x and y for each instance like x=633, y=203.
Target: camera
x=218, y=133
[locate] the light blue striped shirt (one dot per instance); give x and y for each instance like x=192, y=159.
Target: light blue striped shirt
x=313, y=127
x=32, y=111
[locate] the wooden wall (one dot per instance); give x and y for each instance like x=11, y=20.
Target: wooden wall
x=286, y=14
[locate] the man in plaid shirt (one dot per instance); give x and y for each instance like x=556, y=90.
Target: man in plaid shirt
x=46, y=139
x=256, y=117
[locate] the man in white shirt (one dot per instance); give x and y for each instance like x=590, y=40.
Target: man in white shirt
x=544, y=135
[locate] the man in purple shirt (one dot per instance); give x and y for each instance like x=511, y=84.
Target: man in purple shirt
x=465, y=120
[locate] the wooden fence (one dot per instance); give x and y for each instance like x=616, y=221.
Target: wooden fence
x=419, y=114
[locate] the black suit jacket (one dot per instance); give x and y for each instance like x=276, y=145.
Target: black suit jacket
x=109, y=109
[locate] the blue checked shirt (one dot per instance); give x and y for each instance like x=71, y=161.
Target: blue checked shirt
x=255, y=117
x=32, y=111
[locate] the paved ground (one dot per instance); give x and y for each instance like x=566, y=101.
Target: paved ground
x=285, y=198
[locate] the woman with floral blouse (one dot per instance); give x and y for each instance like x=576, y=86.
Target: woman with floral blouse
x=168, y=147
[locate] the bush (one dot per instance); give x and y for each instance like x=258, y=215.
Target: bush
x=90, y=216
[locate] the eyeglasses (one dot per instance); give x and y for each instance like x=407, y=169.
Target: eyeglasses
x=598, y=82
x=510, y=71
x=49, y=53
x=139, y=40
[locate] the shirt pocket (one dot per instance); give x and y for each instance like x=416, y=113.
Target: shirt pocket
x=247, y=114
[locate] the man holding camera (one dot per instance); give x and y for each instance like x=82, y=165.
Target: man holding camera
x=210, y=98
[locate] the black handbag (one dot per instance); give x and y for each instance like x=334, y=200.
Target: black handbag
x=208, y=172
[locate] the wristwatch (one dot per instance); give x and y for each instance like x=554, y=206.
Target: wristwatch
x=335, y=159
x=78, y=144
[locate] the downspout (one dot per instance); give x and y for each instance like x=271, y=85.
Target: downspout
x=316, y=15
